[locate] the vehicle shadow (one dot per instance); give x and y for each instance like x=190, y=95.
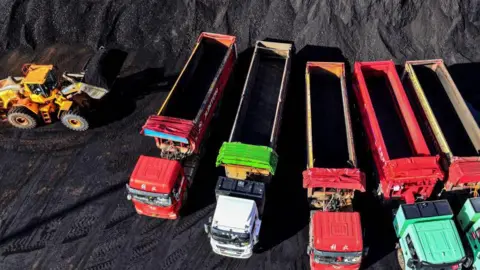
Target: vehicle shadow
x=466, y=77
x=287, y=208
x=202, y=191
x=125, y=92
x=375, y=214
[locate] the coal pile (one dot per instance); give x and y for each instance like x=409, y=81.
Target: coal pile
x=62, y=197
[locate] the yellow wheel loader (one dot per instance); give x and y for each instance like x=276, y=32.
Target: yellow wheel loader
x=41, y=95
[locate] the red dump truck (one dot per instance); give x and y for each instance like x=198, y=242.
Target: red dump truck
x=158, y=186
x=332, y=176
x=406, y=169
x=448, y=119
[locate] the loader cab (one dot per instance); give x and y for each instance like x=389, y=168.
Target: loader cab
x=40, y=80
x=336, y=240
x=157, y=187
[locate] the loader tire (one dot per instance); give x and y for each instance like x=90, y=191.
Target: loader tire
x=74, y=120
x=21, y=117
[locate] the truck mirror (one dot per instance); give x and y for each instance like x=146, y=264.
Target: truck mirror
x=207, y=228
x=411, y=263
x=309, y=250
x=365, y=251
x=209, y=220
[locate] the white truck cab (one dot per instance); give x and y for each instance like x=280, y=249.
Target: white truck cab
x=235, y=227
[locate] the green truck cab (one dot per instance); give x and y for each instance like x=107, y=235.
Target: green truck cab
x=428, y=237
x=468, y=219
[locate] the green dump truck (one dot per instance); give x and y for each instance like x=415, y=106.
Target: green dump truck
x=468, y=220
x=428, y=237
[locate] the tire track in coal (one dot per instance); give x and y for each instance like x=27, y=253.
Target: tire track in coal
x=91, y=240
x=19, y=194
x=184, y=225
x=37, y=203
x=118, y=234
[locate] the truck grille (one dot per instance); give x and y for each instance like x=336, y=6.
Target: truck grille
x=230, y=250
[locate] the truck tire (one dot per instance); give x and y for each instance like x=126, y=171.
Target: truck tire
x=400, y=258
x=74, y=120
x=21, y=117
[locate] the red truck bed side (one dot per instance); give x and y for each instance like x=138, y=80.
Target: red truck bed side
x=405, y=178
x=182, y=119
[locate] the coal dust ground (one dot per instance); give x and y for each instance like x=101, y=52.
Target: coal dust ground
x=62, y=193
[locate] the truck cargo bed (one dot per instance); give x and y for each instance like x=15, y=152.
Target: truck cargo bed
x=386, y=110
x=256, y=122
x=447, y=118
x=193, y=86
x=330, y=143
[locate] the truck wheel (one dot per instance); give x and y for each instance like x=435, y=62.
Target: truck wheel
x=400, y=258
x=74, y=121
x=21, y=117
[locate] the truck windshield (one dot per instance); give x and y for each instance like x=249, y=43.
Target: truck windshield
x=157, y=199
x=337, y=257
x=230, y=237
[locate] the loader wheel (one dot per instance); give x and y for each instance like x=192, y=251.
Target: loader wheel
x=21, y=117
x=74, y=121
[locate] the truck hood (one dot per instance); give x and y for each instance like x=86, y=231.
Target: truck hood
x=337, y=231
x=437, y=242
x=156, y=175
x=233, y=213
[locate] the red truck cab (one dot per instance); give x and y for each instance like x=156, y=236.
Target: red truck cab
x=157, y=187
x=335, y=240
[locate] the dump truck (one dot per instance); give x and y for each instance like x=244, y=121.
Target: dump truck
x=158, y=186
x=449, y=121
x=428, y=237
x=332, y=175
x=40, y=96
x=468, y=221
x=249, y=157
x=405, y=167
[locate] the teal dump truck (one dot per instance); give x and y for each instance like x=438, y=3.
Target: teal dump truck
x=428, y=237
x=468, y=220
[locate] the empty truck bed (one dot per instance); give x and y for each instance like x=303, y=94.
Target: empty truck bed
x=386, y=110
x=450, y=124
x=329, y=134
x=257, y=123
x=192, y=88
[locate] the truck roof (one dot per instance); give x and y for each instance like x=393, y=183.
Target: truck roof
x=155, y=174
x=233, y=213
x=337, y=231
x=437, y=242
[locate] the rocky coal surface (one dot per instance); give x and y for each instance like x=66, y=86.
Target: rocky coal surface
x=62, y=193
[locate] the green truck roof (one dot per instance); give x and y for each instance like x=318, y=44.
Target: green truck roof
x=235, y=153
x=437, y=242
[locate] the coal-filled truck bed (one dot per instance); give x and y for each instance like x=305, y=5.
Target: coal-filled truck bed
x=332, y=172
x=252, y=143
x=406, y=169
x=185, y=115
x=447, y=119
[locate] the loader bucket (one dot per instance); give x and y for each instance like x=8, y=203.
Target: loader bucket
x=93, y=91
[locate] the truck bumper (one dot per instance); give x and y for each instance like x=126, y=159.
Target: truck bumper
x=155, y=211
x=318, y=266
x=233, y=252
